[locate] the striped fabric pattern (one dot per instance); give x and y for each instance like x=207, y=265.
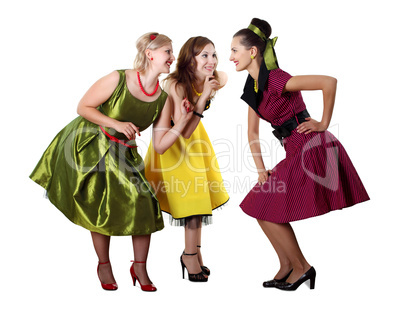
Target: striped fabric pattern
x=276, y=107
x=317, y=175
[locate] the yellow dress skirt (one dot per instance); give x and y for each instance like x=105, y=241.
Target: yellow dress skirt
x=186, y=178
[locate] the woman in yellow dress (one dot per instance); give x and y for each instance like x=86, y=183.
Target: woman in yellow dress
x=186, y=178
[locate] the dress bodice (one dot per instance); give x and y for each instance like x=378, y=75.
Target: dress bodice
x=123, y=106
x=270, y=103
x=276, y=106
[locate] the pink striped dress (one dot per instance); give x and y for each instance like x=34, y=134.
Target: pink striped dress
x=316, y=176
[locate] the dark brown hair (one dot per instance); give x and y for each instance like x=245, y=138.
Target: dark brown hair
x=186, y=64
x=249, y=39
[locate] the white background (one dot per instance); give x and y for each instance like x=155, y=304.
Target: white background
x=52, y=51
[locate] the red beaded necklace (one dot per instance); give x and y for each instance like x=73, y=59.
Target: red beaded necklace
x=142, y=88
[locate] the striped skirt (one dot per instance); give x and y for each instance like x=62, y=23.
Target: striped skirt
x=316, y=176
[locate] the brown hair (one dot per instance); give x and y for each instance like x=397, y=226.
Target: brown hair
x=186, y=64
x=249, y=39
x=145, y=42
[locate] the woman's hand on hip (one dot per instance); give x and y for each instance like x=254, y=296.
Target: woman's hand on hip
x=311, y=125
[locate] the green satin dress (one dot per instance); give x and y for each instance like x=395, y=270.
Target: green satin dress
x=98, y=183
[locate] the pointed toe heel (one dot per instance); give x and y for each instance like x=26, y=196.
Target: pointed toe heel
x=106, y=287
x=144, y=288
x=310, y=275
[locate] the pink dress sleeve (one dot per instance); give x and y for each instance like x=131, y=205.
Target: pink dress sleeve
x=277, y=81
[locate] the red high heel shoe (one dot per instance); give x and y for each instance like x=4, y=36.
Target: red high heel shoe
x=145, y=288
x=107, y=287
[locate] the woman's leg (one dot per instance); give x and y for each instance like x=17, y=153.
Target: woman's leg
x=199, y=245
x=284, y=261
x=101, y=244
x=285, y=244
x=141, y=248
x=192, y=231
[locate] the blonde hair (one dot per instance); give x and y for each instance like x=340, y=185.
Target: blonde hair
x=141, y=62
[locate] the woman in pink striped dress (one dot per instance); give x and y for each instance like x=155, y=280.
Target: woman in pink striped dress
x=316, y=176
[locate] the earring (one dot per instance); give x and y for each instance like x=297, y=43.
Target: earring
x=252, y=56
x=152, y=58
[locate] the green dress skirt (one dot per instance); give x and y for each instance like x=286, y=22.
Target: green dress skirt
x=95, y=177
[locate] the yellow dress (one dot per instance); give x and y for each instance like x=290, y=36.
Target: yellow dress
x=186, y=178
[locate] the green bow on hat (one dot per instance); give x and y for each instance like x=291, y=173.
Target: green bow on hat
x=269, y=54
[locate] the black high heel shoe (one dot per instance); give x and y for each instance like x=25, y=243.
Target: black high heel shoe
x=309, y=275
x=272, y=283
x=198, y=277
x=204, y=269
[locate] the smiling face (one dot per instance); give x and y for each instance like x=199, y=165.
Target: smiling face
x=240, y=55
x=206, y=61
x=162, y=58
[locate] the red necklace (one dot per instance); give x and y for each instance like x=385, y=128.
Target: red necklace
x=142, y=88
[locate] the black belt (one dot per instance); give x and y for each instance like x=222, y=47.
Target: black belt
x=284, y=130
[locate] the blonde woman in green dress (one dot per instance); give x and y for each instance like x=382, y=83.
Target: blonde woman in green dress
x=92, y=171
